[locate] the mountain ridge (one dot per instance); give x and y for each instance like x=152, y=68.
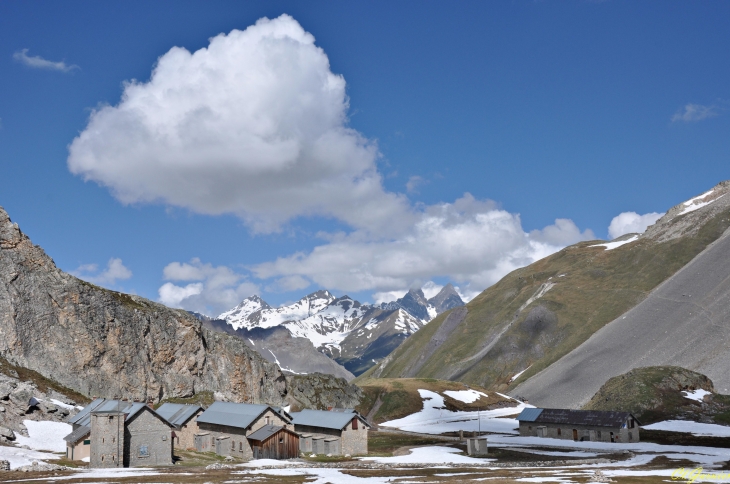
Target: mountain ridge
x=538, y=314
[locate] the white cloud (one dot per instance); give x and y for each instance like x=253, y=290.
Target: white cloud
x=115, y=271
x=413, y=183
x=430, y=289
x=695, y=112
x=388, y=296
x=631, y=222
x=290, y=283
x=471, y=242
x=255, y=124
x=39, y=62
x=211, y=289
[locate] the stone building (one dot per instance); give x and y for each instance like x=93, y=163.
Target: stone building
x=579, y=425
x=185, y=420
x=225, y=428
x=120, y=434
x=331, y=432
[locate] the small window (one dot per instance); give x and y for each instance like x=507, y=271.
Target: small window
x=111, y=417
x=529, y=427
x=267, y=420
x=631, y=423
x=102, y=458
x=113, y=458
x=114, y=439
x=354, y=424
x=559, y=431
x=102, y=440
x=240, y=446
x=212, y=441
x=598, y=433
x=87, y=442
x=144, y=451
x=233, y=445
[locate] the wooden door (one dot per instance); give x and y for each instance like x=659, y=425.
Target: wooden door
x=575, y=434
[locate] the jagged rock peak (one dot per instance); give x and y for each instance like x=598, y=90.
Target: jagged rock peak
x=446, y=299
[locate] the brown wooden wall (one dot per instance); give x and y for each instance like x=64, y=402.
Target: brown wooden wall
x=281, y=445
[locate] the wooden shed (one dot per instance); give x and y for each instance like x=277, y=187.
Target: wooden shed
x=274, y=442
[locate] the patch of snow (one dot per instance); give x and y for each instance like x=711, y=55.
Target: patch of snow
x=436, y=419
x=518, y=374
x=86, y=459
x=466, y=396
x=698, y=206
x=45, y=435
x=540, y=293
x=430, y=455
x=613, y=245
x=698, y=198
x=697, y=395
x=59, y=403
x=281, y=367
x=510, y=398
x=694, y=428
x=23, y=457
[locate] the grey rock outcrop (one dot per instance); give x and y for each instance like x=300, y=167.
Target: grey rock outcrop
x=321, y=392
x=105, y=343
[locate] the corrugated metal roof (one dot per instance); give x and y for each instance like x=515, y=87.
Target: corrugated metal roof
x=177, y=413
x=130, y=409
x=265, y=432
x=593, y=418
x=324, y=419
x=529, y=414
x=239, y=415
x=77, y=435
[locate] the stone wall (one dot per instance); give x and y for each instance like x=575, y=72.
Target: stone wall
x=355, y=441
x=185, y=436
x=588, y=433
x=107, y=439
x=148, y=441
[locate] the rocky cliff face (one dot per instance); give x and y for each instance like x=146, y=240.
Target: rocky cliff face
x=105, y=343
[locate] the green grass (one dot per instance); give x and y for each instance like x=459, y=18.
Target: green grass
x=597, y=287
x=204, y=399
x=385, y=443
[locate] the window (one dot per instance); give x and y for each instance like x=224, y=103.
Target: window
x=114, y=439
x=102, y=440
x=144, y=451
x=598, y=433
x=354, y=424
x=87, y=442
x=240, y=446
x=233, y=445
x=212, y=441
x=267, y=420
x=631, y=423
x=529, y=427
x=559, y=432
x=111, y=417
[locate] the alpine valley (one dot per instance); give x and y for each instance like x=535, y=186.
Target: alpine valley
x=322, y=333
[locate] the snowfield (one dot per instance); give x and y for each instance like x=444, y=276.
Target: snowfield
x=436, y=419
x=694, y=428
x=613, y=245
x=432, y=455
x=45, y=435
x=466, y=396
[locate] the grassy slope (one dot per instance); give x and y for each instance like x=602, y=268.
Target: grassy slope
x=41, y=382
x=598, y=286
x=400, y=397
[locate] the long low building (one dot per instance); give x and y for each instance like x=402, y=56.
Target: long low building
x=579, y=425
x=331, y=432
x=234, y=429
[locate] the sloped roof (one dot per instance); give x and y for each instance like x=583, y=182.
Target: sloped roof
x=325, y=419
x=77, y=434
x=240, y=415
x=529, y=414
x=592, y=418
x=267, y=431
x=177, y=413
x=130, y=409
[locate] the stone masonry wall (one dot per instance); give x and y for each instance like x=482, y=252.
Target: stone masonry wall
x=145, y=430
x=185, y=436
x=355, y=441
x=107, y=440
x=584, y=432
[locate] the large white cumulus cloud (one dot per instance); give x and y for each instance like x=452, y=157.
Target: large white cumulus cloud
x=631, y=222
x=255, y=124
x=469, y=241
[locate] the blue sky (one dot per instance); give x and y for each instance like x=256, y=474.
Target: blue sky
x=410, y=143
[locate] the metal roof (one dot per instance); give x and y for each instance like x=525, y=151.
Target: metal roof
x=265, y=432
x=592, y=418
x=177, y=413
x=324, y=419
x=103, y=405
x=529, y=414
x=240, y=415
x=77, y=435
